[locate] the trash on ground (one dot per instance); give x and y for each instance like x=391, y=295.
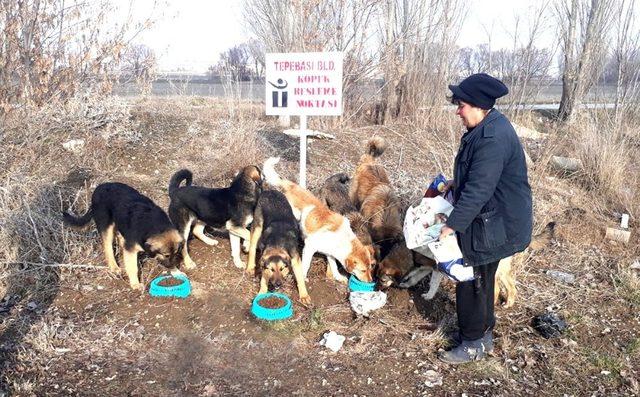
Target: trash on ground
x=561, y=276
x=332, y=341
x=73, y=145
x=365, y=302
x=549, y=325
x=433, y=378
x=566, y=164
x=624, y=221
x=618, y=235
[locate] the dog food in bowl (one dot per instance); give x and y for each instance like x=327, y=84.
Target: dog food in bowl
x=272, y=306
x=177, y=286
x=170, y=282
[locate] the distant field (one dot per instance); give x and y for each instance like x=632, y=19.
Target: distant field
x=255, y=91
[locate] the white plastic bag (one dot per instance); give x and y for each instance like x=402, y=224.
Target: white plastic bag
x=422, y=226
x=332, y=340
x=449, y=258
x=364, y=302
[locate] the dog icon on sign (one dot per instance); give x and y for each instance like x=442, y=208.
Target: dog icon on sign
x=279, y=96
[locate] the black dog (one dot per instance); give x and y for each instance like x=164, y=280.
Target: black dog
x=231, y=207
x=144, y=227
x=276, y=233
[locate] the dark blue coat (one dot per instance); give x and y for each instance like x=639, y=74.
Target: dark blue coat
x=492, y=212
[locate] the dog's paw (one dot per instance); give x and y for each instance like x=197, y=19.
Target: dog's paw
x=189, y=264
x=137, y=287
x=250, y=272
x=115, y=270
x=428, y=296
x=239, y=264
x=211, y=242
x=306, y=300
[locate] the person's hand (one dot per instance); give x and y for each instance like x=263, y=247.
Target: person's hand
x=445, y=232
x=448, y=186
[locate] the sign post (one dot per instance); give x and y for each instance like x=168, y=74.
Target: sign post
x=304, y=84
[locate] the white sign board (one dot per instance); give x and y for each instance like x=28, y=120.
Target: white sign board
x=304, y=84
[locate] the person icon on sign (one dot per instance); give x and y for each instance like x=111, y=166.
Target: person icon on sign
x=279, y=96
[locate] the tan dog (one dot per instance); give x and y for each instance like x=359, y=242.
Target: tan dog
x=505, y=286
x=324, y=231
x=371, y=190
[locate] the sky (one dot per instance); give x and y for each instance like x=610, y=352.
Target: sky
x=189, y=35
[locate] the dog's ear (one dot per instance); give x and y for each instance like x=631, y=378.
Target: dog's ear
x=376, y=252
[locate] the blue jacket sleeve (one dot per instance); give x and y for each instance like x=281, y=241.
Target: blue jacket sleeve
x=487, y=162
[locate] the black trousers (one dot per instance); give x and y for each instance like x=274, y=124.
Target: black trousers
x=474, y=303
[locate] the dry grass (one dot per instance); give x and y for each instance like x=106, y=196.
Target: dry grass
x=144, y=142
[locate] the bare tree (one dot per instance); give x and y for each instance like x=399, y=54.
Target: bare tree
x=582, y=25
x=51, y=49
x=418, y=53
x=626, y=58
x=234, y=63
x=139, y=63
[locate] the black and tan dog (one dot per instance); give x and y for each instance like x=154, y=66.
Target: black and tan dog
x=231, y=207
x=142, y=225
x=276, y=234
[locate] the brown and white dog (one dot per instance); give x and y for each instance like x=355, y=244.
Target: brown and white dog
x=335, y=194
x=324, y=231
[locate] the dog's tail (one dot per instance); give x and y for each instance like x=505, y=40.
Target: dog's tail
x=77, y=221
x=375, y=148
x=544, y=238
x=341, y=177
x=269, y=172
x=177, y=178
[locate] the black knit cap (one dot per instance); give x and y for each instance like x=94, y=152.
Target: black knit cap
x=480, y=90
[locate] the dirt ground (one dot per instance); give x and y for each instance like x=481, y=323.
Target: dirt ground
x=69, y=327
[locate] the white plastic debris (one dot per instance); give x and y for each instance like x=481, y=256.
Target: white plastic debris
x=73, y=145
x=561, y=276
x=364, y=302
x=624, y=221
x=332, y=341
x=433, y=378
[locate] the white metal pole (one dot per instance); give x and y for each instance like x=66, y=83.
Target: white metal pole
x=303, y=151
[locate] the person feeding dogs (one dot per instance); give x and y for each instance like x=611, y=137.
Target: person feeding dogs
x=492, y=215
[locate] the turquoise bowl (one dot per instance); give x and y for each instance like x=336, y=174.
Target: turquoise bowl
x=269, y=314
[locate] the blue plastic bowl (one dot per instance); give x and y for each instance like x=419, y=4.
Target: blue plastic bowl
x=357, y=285
x=179, y=291
x=265, y=313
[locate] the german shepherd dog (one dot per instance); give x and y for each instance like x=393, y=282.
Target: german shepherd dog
x=142, y=225
x=324, y=231
x=231, y=207
x=335, y=194
x=275, y=232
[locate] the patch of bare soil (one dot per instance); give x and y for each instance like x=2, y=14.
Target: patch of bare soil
x=80, y=330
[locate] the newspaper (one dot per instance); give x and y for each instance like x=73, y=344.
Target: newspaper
x=422, y=223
